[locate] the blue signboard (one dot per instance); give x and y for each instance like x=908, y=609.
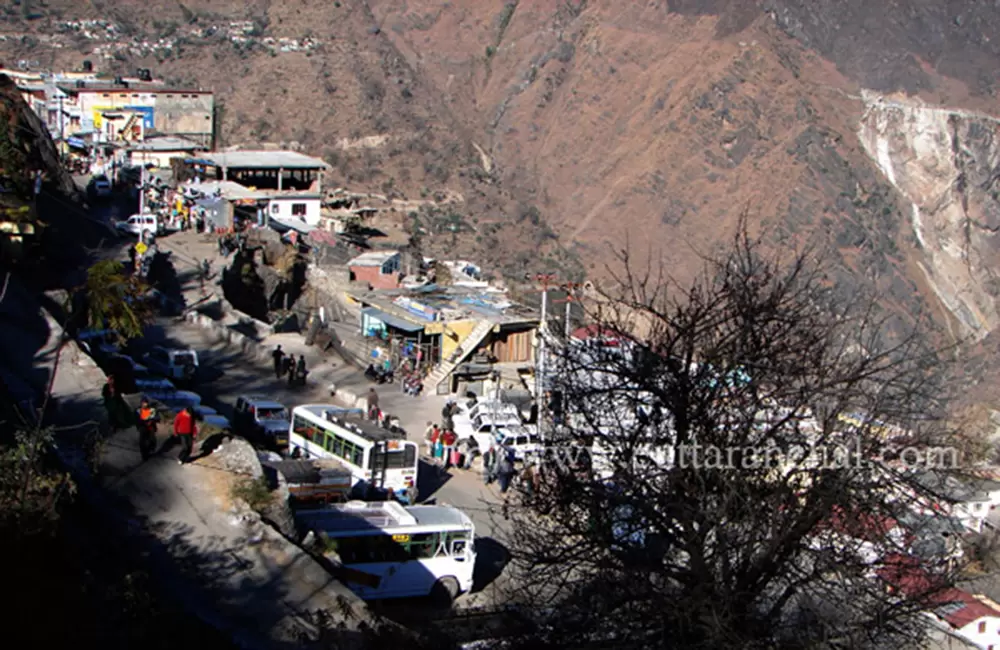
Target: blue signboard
x=147, y=113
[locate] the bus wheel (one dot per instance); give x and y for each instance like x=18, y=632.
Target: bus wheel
x=445, y=591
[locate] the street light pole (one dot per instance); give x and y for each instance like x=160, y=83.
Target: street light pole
x=545, y=280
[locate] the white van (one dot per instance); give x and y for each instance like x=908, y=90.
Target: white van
x=141, y=223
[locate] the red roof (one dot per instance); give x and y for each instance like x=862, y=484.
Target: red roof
x=905, y=574
x=597, y=332
x=960, y=608
x=862, y=525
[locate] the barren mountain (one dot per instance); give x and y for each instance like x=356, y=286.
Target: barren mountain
x=571, y=128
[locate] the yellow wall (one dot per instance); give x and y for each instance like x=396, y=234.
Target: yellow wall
x=448, y=343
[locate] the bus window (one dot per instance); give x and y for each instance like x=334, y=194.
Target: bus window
x=423, y=546
x=402, y=459
x=328, y=442
x=458, y=547
x=357, y=457
x=338, y=446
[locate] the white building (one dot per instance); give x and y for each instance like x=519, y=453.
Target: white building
x=969, y=500
x=974, y=618
x=295, y=206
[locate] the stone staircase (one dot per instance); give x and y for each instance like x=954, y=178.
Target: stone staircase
x=446, y=367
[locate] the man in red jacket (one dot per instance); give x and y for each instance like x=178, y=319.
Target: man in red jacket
x=186, y=430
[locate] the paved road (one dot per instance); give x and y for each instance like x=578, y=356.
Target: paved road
x=228, y=374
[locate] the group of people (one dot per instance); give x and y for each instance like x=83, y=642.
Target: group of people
x=185, y=430
x=286, y=366
x=441, y=446
x=146, y=420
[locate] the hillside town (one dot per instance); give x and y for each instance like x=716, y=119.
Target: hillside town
x=378, y=387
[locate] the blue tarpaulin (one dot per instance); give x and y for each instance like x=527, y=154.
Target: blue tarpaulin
x=76, y=142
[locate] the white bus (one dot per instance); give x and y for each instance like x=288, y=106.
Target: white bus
x=376, y=457
x=392, y=551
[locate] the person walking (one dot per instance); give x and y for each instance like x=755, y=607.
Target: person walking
x=489, y=465
x=372, y=403
x=146, y=421
x=430, y=437
x=439, y=451
x=446, y=415
x=185, y=429
x=505, y=468
x=115, y=406
x=290, y=366
x=279, y=357
x=411, y=494
x=449, y=439
x=300, y=370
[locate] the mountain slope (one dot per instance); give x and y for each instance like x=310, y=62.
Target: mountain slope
x=575, y=128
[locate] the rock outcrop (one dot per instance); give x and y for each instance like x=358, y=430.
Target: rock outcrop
x=946, y=163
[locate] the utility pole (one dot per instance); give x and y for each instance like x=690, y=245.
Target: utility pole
x=545, y=280
x=571, y=289
x=142, y=190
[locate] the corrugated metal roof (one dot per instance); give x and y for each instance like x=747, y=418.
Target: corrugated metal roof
x=262, y=160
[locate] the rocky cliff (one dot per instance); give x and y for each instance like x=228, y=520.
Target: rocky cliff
x=946, y=165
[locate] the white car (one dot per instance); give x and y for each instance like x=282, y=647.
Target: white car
x=478, y=435
x=519, y=439
x=138, y=224
x=173, y=363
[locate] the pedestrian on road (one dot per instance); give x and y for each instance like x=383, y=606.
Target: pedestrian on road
x=372, y=404
x=279, y=357
x=290, y=365
x=131, y=256
x=489, y=465
x=505, y=468
x=300, y=370
x=446, y=415
x=185, y=429
x=411, y=494
x=439, y=451
x=430, y=435
x=146, y=421
x=449, y=439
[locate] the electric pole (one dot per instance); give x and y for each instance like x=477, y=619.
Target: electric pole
x=545, y=280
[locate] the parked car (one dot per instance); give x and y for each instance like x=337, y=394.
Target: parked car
x=520, y=439
x=173, y=363
x=478, y=435
x=98, y=343
x=257, y=417
x=174, y=399
x=212, y=419
x=138, y=224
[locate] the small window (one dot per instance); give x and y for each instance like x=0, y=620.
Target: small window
x=170, y=96
x=298, y=209
x=275, y=208
x=982, y=627
x=107, y=95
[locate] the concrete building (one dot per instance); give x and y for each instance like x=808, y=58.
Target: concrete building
x=183, y=112
x=288, y=208
x=159, y=150
x=276, y=170
x=377, y=269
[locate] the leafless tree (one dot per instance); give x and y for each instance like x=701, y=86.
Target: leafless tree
x=726, y=476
